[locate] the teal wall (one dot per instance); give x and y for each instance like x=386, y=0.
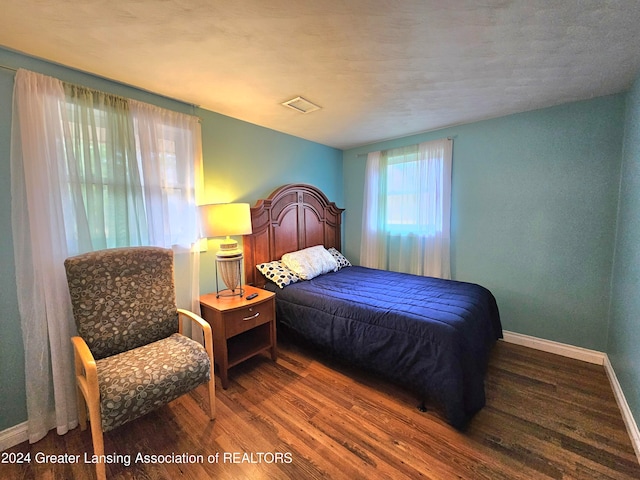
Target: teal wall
x=624, y=330
x=13, y=408
x=245, y=162
x=242, y=162
x=534, y=200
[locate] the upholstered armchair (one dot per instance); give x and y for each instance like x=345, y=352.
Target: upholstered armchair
x=130, y=354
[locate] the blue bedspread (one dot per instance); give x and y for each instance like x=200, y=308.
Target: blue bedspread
x=431, y=335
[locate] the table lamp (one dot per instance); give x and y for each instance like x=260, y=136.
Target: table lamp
x=224, y=220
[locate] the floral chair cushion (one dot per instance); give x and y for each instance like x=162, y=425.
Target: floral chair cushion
x=138, y=381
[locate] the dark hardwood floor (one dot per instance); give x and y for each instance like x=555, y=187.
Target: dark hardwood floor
x=307, y=417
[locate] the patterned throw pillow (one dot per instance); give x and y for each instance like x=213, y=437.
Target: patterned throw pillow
x=278, y=273
x=341, y=259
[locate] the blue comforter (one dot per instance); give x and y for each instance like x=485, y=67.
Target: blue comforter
x=431, y=335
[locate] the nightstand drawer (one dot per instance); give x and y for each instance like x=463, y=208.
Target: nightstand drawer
x=247, y=318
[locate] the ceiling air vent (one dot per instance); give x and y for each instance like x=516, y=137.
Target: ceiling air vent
x=301, y=105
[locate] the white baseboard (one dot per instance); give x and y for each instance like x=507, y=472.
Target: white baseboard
x=590, y=356
x=20, y=433
x=578, y=353
x=627, y=416
x=12, y=436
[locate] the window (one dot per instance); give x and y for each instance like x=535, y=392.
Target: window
x=407, y=209
x=411, y=195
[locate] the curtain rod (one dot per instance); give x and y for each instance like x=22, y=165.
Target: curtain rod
x=367, y=153
x=140, y=89
x=192, y=105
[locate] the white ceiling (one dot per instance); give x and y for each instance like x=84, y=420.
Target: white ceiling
x=379, y=69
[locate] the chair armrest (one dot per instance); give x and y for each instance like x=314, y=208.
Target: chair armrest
x=208, y=346
x=86, y=371
x=194, y=318
x=203, y=324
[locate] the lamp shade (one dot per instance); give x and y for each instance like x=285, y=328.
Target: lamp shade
x=224, y=219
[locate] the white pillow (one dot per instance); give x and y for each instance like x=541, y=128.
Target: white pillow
x=310, y=262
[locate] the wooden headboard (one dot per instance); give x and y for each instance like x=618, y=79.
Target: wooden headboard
x=294, y=217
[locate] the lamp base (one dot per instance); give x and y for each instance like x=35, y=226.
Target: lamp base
x=230, y=271
x=238, y=292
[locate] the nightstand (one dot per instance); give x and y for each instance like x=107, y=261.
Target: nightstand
x=241, y=328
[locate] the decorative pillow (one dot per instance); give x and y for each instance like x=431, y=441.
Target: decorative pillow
x=278, y=273
x=340, y=259
x=310, y=262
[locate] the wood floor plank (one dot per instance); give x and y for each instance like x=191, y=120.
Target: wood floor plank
x=308, y=416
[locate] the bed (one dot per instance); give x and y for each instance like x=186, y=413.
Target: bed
x=430, y=335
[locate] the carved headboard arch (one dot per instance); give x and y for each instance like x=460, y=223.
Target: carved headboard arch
x=293, y=217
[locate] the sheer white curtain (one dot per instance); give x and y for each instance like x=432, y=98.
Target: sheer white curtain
x=40, y=247
x=90, y=171
x=407, y=209
x=101, y=181
x=170, y=153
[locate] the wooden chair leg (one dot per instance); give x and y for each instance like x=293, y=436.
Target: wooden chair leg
x=89, y=399
x=212, y=396
x=98, y=441
x=95, y=418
